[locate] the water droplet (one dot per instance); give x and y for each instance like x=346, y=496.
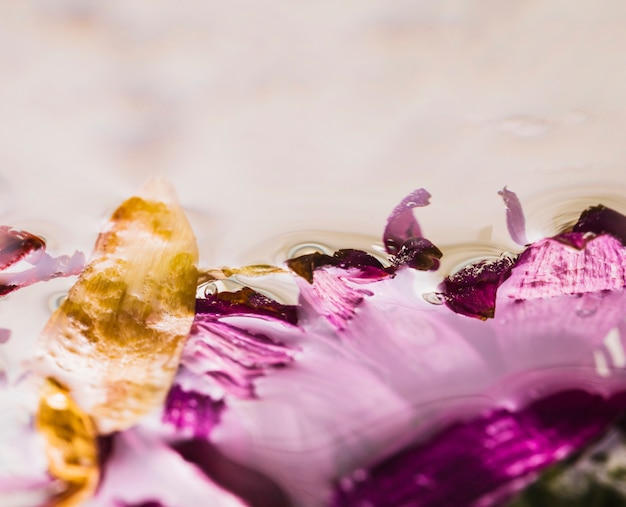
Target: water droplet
x=207, y=289
x=56, y=300
x=434, y=298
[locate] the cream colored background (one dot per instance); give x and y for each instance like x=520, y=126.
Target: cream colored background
x=278, y=118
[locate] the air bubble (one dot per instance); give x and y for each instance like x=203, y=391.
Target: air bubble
x=434, y=298
x=56, y=300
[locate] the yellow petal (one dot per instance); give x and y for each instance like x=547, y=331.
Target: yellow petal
x=71, y=446
x=116, y=340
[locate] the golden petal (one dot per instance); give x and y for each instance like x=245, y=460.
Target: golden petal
x=116, y=340
x=71, y=444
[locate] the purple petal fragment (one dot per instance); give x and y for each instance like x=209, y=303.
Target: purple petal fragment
x=602, y=220
x=418, y=253
x=231, y=353
x=485, y=461
x=246, y=302
x=16, y=245
x=45, y=267
x=472, y=290
x=334, y=295
x=367, y=266
x=192, y=412
x=515, y=221
x=401, y=224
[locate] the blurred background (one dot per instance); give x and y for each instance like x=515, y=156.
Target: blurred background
x=284, y=118
x=282, y=123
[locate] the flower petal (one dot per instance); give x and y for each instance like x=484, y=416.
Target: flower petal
x=165, y=478
x=401, y=224
x=116, y=340
x=602, y=220
x=472, y=290
x=515, y=221
x=484, y=461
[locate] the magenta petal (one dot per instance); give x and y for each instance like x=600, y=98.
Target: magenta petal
x=191, y=412
x=16, y=245
x=472, y=290
x=334, y=295
x=245, y=302
x=141, y=471
x=362, y=264
x=515, y=221
x=229, y=340
x=418, y=253
x=484, y=461
x=401, y=224
x=552, y=267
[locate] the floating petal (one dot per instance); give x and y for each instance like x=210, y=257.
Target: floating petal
x=401, y=224
x=116, y=340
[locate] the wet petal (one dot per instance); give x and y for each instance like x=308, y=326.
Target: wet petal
x=192, y=413
x=143, y=471
x=20, y=249
x=472, y=290
x=71, y=444
x=552, y=267
x=515, y=221
x=481, y=462
x=401, y=224
x=116, y=340
x=245, y=302
x=16, y=245
x=230, y=354
x=602, y=220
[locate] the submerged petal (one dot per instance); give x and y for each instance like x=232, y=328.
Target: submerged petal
x=143, y=471
x=483, y=461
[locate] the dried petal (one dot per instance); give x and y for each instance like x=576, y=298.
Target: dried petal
x=602, y=220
